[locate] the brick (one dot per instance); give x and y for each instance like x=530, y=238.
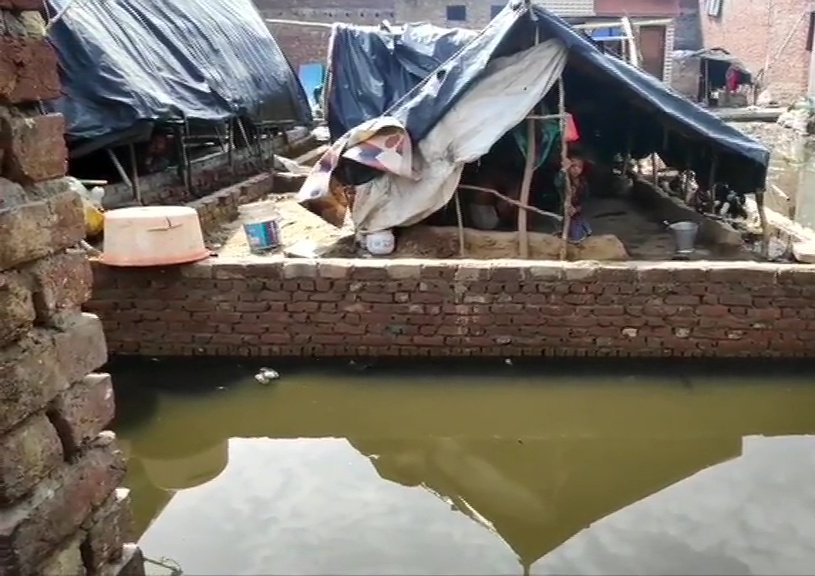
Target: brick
x=29, y=452
x=28, y=70
x=80, y=346
x=16, y=308
x=83, y=411
x=60, y=283
x=66, y=560
x=34, y=148
x=51, y=220
x=108, y=529
x=30, y=377
x=37, y=525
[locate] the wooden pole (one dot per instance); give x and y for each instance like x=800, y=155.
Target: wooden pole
x=765, y=228
x=509, y=200
x=526, y=183
x=564, y=155
x=460, y=221
x=135, y=181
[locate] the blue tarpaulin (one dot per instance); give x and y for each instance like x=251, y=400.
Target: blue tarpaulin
x=615, y=104
x=127, y=62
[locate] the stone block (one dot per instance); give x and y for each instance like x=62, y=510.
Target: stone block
x=83, y=411
x=30, y=377
x=60, y=283
x=28, y=70
x=51, y=220
x=80, y=346
x=34, y=147
x=16, y=308
x=29, y=453
x=66, y=561
x=32, y=529
x=130, y=564
x=107, y=530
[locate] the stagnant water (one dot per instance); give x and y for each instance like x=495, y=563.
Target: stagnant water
x=474, y=469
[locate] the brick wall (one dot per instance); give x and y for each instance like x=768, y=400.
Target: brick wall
x=303, y=44
x=259, y=307
x=60, y=509
x=650, y=8
x=755, y=30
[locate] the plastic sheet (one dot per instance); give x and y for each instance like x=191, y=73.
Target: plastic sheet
x=620, y=104
x=128, y=62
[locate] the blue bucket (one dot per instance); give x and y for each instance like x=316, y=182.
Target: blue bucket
x=262, y=236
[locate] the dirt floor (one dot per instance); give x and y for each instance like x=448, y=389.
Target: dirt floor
x=620, y=232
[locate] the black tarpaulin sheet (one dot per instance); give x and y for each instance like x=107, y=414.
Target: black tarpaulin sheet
x=373, y=67
x=615, y=104
x=124, y=62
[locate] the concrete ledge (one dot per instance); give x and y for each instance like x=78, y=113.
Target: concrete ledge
x=259, y=306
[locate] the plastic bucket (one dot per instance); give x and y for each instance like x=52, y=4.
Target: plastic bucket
x=261, y=226
x=684, y=234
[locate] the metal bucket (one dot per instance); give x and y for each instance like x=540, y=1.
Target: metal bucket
x=684, y=236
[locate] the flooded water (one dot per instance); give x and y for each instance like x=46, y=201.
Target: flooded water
x=492, y=470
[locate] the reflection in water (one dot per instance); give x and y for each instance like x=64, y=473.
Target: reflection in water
x=478, y=475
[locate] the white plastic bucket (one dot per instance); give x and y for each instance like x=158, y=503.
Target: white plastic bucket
x=684, y=236
x=261, y=226
x=380, y=243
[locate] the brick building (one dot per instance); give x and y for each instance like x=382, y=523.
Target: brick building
x=775, y=35
x=309, y=44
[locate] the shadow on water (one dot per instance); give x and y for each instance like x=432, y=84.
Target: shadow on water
x=470, y=467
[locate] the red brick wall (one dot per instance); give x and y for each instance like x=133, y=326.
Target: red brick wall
x=654, y=8
x=303, y=44
x=755, y=30
x=380, y=308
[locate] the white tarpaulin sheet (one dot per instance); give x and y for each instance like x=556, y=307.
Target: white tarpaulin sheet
x=501, y=99
x=503, y=96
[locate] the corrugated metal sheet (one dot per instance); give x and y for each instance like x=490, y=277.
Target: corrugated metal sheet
x=569, y=7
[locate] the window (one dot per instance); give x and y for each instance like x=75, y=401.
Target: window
x=457, y=13
x=495, y=9
x=714, y=8
x=810, y=31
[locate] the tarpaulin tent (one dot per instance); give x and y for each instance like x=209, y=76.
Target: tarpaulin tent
x=460, y=110
x=372, y=67
x=126, y=63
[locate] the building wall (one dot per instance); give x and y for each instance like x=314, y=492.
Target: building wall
x=61, y=511
x=304, y=308
x=635, y=8
x=757, y=31
x=303, y=44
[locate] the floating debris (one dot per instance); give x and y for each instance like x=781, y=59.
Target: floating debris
x=266, y=375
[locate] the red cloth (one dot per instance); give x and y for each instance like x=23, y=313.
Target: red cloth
x=732, y=79
x=572, y=135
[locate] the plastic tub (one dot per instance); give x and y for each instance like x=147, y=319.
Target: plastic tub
x=260, y=224
x=153, y=236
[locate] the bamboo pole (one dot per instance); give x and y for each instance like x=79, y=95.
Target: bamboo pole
x=564, y=154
